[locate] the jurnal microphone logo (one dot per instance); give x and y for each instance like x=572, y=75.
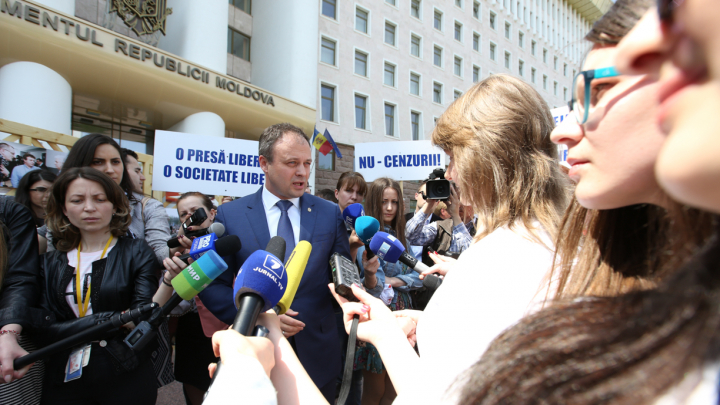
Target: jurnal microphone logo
x=273, y=265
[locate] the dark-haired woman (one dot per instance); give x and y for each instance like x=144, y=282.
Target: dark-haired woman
x=149, y=219
x=33, y=192
x=19, y=300
x=193, y=349
x=96, y=272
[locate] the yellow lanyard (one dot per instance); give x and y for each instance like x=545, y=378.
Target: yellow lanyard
x=82, y=308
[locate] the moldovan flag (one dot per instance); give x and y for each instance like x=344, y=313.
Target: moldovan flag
x=324, y=143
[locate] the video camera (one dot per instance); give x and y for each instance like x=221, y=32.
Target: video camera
x=437, y=188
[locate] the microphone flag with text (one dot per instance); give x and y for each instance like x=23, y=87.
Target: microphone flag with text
x=390, y=249
x=216, y=228
x=259, y=285
x=366, y=227
x=351, y=213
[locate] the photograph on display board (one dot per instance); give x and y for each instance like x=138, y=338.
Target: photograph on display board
x=16, y=160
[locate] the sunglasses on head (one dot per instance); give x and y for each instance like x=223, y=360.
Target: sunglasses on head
x=40, y=189
x=666, y=8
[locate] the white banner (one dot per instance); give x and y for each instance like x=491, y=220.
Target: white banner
x=208, y=164
x=560, y=114
x=409, y=160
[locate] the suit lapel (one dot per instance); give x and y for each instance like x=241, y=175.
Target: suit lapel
x=308, y=215
x=257, y=219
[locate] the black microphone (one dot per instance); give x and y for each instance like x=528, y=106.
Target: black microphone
x=216, y=228
x=432, y=282
x=225, y=246
x=259, y=285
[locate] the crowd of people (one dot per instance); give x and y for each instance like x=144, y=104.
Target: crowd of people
x=595, y=285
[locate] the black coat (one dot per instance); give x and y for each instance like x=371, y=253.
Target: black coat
x=20, y=293
x=126, y=279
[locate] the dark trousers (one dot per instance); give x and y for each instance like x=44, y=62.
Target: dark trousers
x=99, y=385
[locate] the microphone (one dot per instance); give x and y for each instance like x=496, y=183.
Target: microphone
x=351, y=213
x=259, y=285
x=224, y=246
x=295, y=268
x=216, y=228
x=193, y=279
x=390, y=249
x=366, y=227
x=432, y=282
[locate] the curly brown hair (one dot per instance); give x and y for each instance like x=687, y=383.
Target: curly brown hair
x=67, y=234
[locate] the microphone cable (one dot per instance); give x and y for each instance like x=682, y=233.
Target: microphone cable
x=349, y=362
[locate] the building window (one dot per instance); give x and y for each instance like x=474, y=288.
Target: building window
x=238, y=44
x=544, y=82
x=361, y=61
x=243, y=5
x=458, y=31
x=437, y=93
x=360, y=112
x=415, y=45
x=457, y=94
x=565, y=97
x=476, y=74
x=564, y=69
x=327, y=103
x=507, y=60
x=532, y=75
x=458, y=3
x=389, y=34
x=476, y=9
x=507, y=30
x=437, y=20
x=415, y=125
x=573, y=73
x=390, y=2
x=361, y=20
x=555, y=59
x=458, y=66
x=492, y=51
x=328, y=8
x=437, y=56
x=389, y=77
x=326, y=162
x=521, y=66
x=327, y=51
x=544, y=55
x=415, y=8
x=521, y=37
x=389, y=119
x=532, y=47
x=555, y=88
x=414, y=84
x=476, y=42
x=492, y=20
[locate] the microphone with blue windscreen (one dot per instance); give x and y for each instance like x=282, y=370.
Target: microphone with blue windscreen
x=365, y=228
x=390, y=249
x=351, y=213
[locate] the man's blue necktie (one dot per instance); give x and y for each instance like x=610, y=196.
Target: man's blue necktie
x=285, y=229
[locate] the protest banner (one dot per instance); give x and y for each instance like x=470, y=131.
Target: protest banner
x=408, y=160
x=208, y=164
x=560, y=114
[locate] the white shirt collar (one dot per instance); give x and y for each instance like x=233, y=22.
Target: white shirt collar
x=269, y=200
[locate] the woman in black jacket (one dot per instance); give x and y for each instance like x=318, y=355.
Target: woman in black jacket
x=95, y=274
x=19, y=296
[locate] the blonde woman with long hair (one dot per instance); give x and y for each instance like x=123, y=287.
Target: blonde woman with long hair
x=498, y=138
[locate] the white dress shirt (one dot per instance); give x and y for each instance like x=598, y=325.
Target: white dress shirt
x=272, y=213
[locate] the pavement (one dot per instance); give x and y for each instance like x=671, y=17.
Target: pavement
x=171, y=394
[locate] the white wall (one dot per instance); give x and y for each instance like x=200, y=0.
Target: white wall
x=284, y=48
x=197, y=31
x=65, y=6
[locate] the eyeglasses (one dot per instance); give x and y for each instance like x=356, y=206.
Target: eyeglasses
x=40, y=189
x=666, y=8
x=582, y=90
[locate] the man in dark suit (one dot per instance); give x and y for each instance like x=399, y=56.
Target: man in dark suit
x=281, y=207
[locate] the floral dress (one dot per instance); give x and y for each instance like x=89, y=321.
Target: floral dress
x=366, y=355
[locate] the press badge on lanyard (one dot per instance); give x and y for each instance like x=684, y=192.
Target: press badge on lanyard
x=80, y=356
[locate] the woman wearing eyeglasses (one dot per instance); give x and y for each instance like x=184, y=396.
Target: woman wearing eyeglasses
x=33, y=191
x=621, y=232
